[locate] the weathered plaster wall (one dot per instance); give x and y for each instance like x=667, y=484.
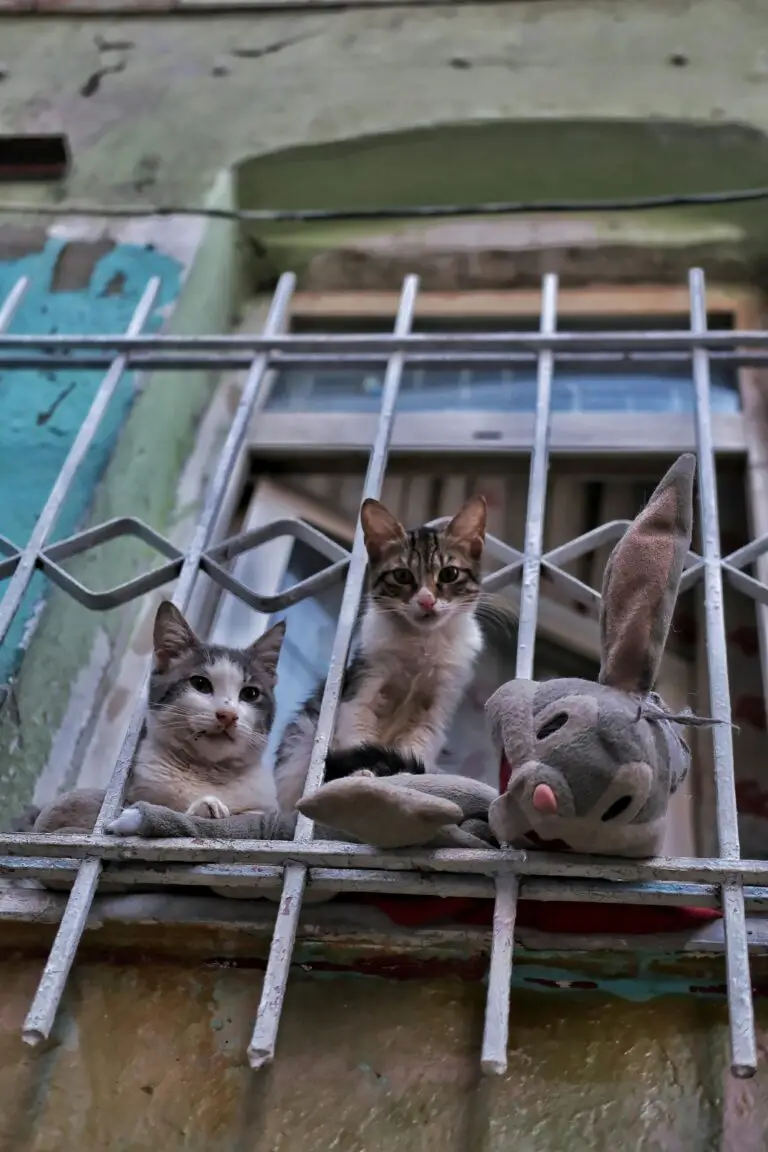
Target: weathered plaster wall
x=153, y=1056
x=68, y=665
x=90, y=286
x=643, y=98
x=152, y=131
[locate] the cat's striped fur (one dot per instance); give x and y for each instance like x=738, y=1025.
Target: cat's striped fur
x=419, y=641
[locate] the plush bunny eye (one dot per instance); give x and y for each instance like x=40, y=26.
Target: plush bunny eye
x=552, y=725
x=617, y=808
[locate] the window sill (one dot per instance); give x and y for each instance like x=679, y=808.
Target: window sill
x=205, y=928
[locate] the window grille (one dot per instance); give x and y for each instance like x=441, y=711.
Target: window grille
x=726, y=880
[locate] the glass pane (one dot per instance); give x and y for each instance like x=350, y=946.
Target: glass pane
x=444, y=389
x=435, y=389
x=310, y=628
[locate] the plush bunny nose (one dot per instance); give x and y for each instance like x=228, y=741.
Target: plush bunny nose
x=227, y=717
x=544, y=800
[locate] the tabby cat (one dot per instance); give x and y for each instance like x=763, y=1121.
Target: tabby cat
x=419, y=639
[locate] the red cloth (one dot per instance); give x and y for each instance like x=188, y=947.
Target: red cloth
x=546, y=916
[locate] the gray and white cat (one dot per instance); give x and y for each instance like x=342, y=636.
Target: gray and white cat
x=419, y=640
x=209, y=717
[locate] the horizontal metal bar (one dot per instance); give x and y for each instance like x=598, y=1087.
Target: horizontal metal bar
x=383, y=881
x=387, y=345
x=338, y=854
x=334, y=574
x=593, y=362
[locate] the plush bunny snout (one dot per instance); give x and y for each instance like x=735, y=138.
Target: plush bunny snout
x=544, y=800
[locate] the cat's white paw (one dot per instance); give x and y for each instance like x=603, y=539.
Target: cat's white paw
x=127, y=823
x=210, y=807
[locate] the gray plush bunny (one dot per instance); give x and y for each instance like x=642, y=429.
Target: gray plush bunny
x=592, y=766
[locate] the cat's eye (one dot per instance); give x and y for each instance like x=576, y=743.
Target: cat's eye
x=201, y=684
x=448, y=575
x=250, y=694
x=402, y=576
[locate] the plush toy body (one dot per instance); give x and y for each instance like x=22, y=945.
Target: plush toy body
x=592, y=766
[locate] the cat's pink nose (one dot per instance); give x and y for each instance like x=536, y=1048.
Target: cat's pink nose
x=426, y=601
x=544, y=800
x=227, y=717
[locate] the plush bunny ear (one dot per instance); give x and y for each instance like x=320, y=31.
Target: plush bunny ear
x=641, y=581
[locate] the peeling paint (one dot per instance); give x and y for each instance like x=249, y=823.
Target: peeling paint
x=71, y=289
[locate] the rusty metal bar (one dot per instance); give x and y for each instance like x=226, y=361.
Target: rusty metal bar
x=385, y=345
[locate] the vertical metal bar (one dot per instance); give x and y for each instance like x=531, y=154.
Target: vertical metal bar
x=740, y=1007
x=12, y=301
x=496, y=1034
x=42, y=1013
x=261, y=1050
x=19, y=583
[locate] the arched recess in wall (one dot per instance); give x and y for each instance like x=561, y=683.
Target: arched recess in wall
x=506, y=161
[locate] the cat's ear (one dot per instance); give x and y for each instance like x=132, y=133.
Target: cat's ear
x=266, y=650
x=467, y=529
x=172, y=636
x=380, y=529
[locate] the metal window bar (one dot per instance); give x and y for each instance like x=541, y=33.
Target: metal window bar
x=726, y=881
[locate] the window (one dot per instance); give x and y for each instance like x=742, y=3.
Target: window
x=38, y=158
x=602, y=459
x=497, y=387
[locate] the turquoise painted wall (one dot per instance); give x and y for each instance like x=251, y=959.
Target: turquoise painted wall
x=41, y=411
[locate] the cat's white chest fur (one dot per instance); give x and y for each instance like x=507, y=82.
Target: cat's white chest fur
x=407, y=697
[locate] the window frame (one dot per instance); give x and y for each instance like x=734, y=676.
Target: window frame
x=474, y=872
x=467, y=430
